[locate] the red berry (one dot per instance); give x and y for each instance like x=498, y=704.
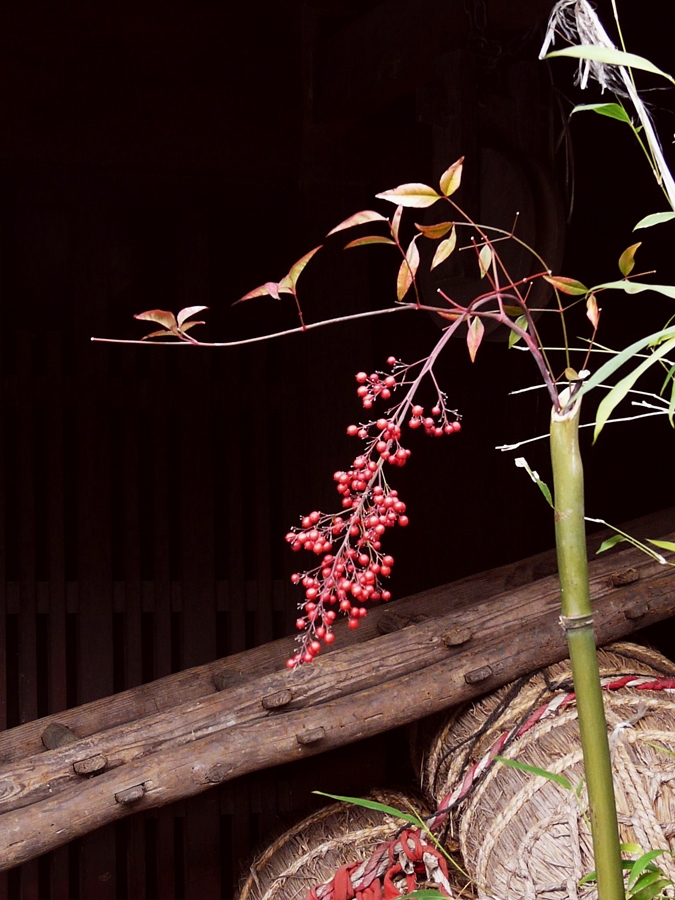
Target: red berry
x=456, y=426
x=361, y=377
x=391, y=360
x=329, y=638
x=300, y=624
x=353, y=622
x=352, y=430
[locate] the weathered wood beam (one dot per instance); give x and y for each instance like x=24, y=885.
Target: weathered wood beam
x=348, y=695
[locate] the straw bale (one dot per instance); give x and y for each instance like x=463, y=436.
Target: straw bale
x=523, y=836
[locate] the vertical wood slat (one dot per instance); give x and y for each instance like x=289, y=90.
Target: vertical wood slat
x=3, y=572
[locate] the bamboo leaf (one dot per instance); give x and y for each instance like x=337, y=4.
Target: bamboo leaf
x=444, y=249
x=610, y=56
x=359, y=218
x=641, y=864
x=535, y=770
x=610, y=542
x=612, y=110
x=434, y=231
x=412, y=195
x=664, y=545
x=370, y=239
x=373, y=804
x=653, y=889
x=566, y=285
x=406, y=273
x=610, y=367
x=162, y=316
x=485, y=260
x=474, y=336
x=451, y=178
x=514, y=337
x=654, y=219
x=522, y=463
x=627, y=259
x=636, y=287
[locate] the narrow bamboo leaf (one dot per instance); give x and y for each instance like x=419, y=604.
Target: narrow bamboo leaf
x=612, y=110
x=162, y=316
x=664, y=545
x=566, y=285
x=359, y=218
x=412, y=195
x=611, y=57
x=641, y=864
x=635, y=287
x=425, y=894
x=373, y=804
x=592, y=311
x=187, y=312
x=297, y=268
x=627, y=259
x=396, y=222
x=522, y=463
x=434, y=231
x=610, y=367
x=671, y=404
x=370, y=239
x=610, y=542
x=587, y=879
x=444, y=249
x=514, y=337
x=655, y=888
x=621, y=389
x=485, y=260
x=406, y=273
x=630, y=848
x=452, y=178
x=654, y=219
x=474, y=336
x=535, y=770
x=660, y=748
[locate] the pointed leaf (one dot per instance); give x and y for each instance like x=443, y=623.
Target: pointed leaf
x=396, y=222
x=189, y=325
x=610, y=542
x=566, y=285
x=612, y=110
x=653, y=889
x=372, y=804
x=512, y=310
x=296, y=269
x=641, y=864
x=535, y=770
x=514, y=337
x=444, y=249
x=485, y=260
x=664, y=545
x=262, y=291
x=611, y=57
x=370, y=239
x=412, y=195
x=627, y=259
x=406, y=273
x=187, y=312
x=451, y=178
x=474, y=336
x=635, y=287
x=162, y=316
x=654, y=219
x=592, y=311
x=434, y=231
x=159, y=334
x=359, y=218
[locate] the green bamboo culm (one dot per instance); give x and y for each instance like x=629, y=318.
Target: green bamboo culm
x=570, y=536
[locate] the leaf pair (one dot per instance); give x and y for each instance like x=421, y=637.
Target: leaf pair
x=419, y=196
x=172, y=326
x=288, y=283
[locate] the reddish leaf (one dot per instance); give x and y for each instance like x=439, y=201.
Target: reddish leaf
x=592, y=310
x=627, y=259
x=566, y=285
x=370, y=239
x=189, y=325
x=161, y=316
x=452, y=177
x=449, y=315
x=159, y=334
x=262, y=291
x=474, y=336
x=359, y=218
x=396, y=222
x=406, y=274
x=288, y=282
x=187, y=312
x=413, y=195
x=434, y=231
x=444, y=249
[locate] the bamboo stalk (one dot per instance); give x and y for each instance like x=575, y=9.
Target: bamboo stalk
x=577, y=620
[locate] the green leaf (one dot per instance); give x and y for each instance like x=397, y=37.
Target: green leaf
x=535, y=770
x=610, y=542
x=289, y=281
x=434, y=231
x=566, y=285
x=370, y=239
x=653, y=889
x=522, y=463
x=611, y=400
x=359, y=218
x=641, y=864
x=412, y=195
x=627, y=259
x=630, y=848
x=406, y=273
x=514, y=337
x=664, y=545
x=654, y=219
x=612, y=110
x=474, y=336
x=444, y=249
x=425, y=894
x=373, y=804
x=636, y=287
x=451, y=178
x=660, y=748
x=611, y=57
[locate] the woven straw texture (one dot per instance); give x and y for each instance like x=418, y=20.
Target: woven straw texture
x=312, y=851
x=523, y=836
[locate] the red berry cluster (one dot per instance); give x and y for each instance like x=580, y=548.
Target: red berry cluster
x=350, y=575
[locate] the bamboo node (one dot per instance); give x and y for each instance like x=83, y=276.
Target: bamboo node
x=571, y=623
